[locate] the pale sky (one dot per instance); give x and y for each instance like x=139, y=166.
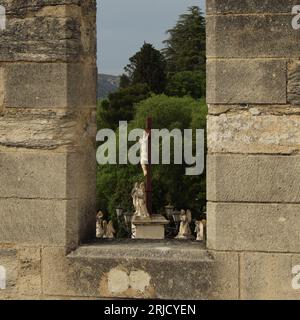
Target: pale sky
x=124, y=25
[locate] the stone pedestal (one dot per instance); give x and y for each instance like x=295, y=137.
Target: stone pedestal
x=150, y=228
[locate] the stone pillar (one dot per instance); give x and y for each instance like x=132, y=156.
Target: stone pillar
x=254, y=141
x=47, y=123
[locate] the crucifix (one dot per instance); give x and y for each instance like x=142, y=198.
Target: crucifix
x=149, y=176
x=146, y=224
x=145, y=142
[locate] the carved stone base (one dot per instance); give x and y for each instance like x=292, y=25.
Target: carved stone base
x=149, y=228
x=186, y=237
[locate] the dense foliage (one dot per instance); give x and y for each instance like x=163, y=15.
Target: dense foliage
x=187, y=83
x=120, y=105
x=147, y=66
x=170, y=184
x=169, y=87
x=185, y=47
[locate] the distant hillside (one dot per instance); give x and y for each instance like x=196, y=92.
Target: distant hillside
x=107, y=84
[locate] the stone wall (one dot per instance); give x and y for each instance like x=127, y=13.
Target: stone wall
x=254, y=141
x=47, y=161
x=47, y=134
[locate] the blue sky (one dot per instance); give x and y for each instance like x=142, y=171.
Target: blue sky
x=124, y=25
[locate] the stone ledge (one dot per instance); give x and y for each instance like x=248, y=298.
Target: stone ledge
x=143, y=249
x=138, y=269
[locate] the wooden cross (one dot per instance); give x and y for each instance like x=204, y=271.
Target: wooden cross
x=149, y=176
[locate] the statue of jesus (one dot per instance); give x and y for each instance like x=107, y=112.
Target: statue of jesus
x=144, y=152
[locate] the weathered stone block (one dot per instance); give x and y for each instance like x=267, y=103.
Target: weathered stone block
x=33, y=175
x=55, y=176
x=37, y=222
x=246, y=81
x=1, y=90
x=48, y=31
x=242, y=36
x=268, y=276
x=253, y=178
x=21, y=7
x=29, y=279
x=81, y=175
x=47, y=130
x=254, y=130
x=294, y=83
x=225, y=275
x=249, y=6
x=40, y=39
x=8, y=261
x=141, y=270
x=152, y=228
x=50, y=85
x=254, y=227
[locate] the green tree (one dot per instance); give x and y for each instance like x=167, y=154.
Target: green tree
x=124, y=81
x=115, y=182
x=148, y=66
x=185, y=47
x=170, y=181
x=186, y=83
x=120, y=105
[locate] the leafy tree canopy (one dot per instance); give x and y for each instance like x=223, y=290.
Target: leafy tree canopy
x=148, y=66
x=120, y=105
x=115, y=182
x=185, y=47
x=187, y=83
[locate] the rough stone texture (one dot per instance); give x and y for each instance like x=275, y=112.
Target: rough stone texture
x=294, y=83
x=47, y=134
x=46, y=129
x=225, y=275
x=248, y=36
x=39, y=174
x=96, y=271
x=29, y=278
x=268, y=276
x=249, y=6
x=150, y=232
x=49, y=175
x=48, y=31
x=33, y=175
x=153, y=228
x=253, y=142
x=254, y=227
x=47, y=95
x=1, y=90
x=34, y=221
x=255, y=130
x=9, y=260
x=246, y=81
x=253, y=178
x=72, y=85
x=81, y=177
